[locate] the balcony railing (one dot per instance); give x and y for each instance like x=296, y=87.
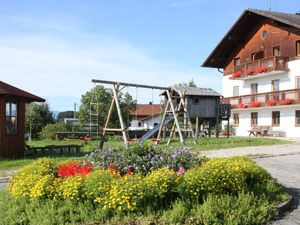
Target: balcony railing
x=274, y=63
x=285, y=97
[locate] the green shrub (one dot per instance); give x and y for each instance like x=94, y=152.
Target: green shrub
x=245, y=208
x=48, y=132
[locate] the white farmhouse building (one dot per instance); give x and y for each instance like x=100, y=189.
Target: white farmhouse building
x=145, y=117
x=260, y=58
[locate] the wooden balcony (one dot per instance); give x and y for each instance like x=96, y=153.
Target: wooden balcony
x=269, y=99
x=273, y=65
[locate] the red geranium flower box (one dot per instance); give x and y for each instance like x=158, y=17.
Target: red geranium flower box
x=287, y=101
x=249, y=71
x=243, y=105
x=255, y=104
x=271, y=103
x=261, y=69
x=237, y=74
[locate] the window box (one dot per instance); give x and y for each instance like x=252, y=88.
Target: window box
x=287, y=101
x=271, y=103
x=255, y=104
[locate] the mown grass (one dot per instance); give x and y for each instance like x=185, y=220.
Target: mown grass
x=203, y=144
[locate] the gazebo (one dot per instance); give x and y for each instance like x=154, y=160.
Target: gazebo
x=12, y=120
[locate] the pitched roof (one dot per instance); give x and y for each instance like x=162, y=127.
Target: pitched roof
x=195, y=91
x=242, y=30
x=146, y=110
x=7, y=89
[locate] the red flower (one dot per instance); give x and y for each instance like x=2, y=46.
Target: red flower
x=255, y=104
x=286, y=101
x=249, y=71
x=243, y=105
x=271, y=102
x=74, y=168
x=261, y=69
x=237, y=74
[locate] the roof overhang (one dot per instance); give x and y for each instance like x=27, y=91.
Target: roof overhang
x=242, y=31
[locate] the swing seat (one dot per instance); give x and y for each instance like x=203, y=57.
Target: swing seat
x=132, y=139
x=156, y=140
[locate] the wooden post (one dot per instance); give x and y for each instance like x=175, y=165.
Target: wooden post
x=189, y=122
x=107, y=122
x=217, y=123
x=228, y=128
x=163, y=120
x=197, y=128
x=116, y=96
x=175, y=117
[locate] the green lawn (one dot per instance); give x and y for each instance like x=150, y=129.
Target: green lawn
x=202, y=145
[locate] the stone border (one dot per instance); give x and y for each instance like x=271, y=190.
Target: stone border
x=285, y=206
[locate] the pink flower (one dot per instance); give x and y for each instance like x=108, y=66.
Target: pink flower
x=181, y=171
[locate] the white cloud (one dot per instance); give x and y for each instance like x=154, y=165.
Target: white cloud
x=51, y=67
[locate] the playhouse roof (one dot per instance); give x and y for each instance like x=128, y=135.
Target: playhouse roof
x=7, y=89
x=196, y=91
x=242, y=30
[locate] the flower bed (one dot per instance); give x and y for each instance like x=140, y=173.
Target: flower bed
x=108, y=187
x=130, y=192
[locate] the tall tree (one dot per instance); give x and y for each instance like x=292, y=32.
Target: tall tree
x=97, y=101
x=37, y=116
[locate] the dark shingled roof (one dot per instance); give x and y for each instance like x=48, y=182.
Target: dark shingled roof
x=241, y=30
x=7, y=89
x=195, y=91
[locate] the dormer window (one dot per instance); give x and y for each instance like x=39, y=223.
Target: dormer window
x=298, y=48
x=276, y=51
x=237, y=61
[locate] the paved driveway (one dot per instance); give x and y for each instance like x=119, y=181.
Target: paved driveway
x=287, y=171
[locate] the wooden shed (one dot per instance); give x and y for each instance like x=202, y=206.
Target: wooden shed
x=200, y=102
x=12, y=120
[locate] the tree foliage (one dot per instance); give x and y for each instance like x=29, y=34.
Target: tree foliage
x=98, y=101
x=65, y=114
x=191, y=83
x=37, y=116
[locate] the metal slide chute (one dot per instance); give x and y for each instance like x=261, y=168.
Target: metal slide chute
x=154, y=130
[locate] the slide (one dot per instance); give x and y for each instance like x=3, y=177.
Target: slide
x=155, y=129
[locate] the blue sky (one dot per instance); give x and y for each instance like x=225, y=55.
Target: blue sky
x=53, y=48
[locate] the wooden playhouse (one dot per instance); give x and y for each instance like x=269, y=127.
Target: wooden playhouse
x=12, y=120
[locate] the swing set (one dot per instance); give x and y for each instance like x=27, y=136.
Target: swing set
x=178, y=102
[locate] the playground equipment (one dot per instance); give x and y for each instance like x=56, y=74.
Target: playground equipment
x=189, y=102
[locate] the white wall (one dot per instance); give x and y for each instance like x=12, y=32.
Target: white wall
x=145, y=124
x=287, y=119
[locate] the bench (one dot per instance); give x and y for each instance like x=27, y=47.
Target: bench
x=52, y=148
x=259, y=130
